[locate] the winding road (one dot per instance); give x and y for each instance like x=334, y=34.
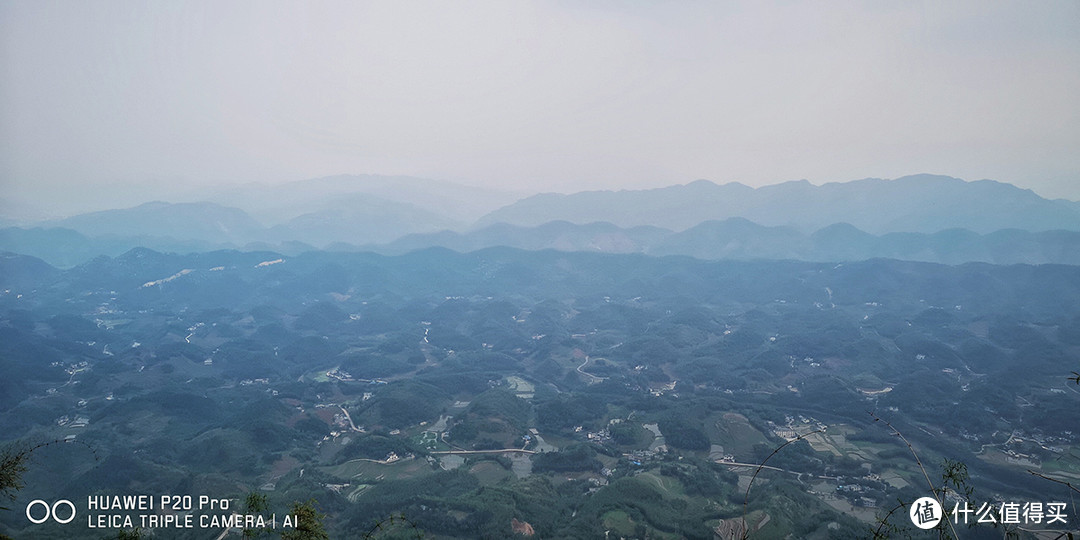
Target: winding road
x=592, y=378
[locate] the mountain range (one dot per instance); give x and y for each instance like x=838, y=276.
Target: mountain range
x=740, y=239
x=922, y=217
x=732, y=239
x=920, y=203
x=453, y=203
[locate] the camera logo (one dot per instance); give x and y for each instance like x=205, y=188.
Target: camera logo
x=926, y=513
x=50, y=511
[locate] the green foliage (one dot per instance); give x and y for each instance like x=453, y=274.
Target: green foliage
x=954, y=476
x=566, y=412
x=681, y=433
x=494, y=419
x=376, y=446
x=372, y=366
x=796, y=456
x=401, y=404
x=576, y=457
x=627, y=433
x=255, y=503
x=13, y=458
x=309, y=524
x=439, y=493
x=465, y=431
x=503, y=404
x=702, y=477
x=645, y=502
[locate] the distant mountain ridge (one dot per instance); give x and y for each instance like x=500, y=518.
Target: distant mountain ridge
x=359, y=218
x=920, y=203
x=741, y=239
x=276, y=204
x=732, y=239
x=558, y=235
x=922, y=217
x=355, y=218
x=201, y=220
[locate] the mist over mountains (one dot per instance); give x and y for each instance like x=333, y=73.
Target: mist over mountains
x=923, y=217
x=189, y=221
x=920, y=203
x=452, y=203
x=218, y=340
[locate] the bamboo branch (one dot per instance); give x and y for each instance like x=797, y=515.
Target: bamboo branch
x=746, y=496
x=926, y=475
x=1062, y=482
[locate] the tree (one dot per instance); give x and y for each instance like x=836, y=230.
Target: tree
x=309, y=523
x=255, y=503
x=13, y=460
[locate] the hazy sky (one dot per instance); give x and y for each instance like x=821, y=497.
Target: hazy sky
x=545, y=96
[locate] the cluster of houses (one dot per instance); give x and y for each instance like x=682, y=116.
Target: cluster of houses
x=638, y=457
x=791, y=431
x=77, y=367
x=661, y=389
x=76, y=422
x=344, y=376
x=1024, y=460
x=603, y=436
x=340, y=374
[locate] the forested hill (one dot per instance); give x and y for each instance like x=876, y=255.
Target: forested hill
x=577, y=393
x=217, y=279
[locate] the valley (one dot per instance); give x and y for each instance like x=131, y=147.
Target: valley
x=576, y=393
